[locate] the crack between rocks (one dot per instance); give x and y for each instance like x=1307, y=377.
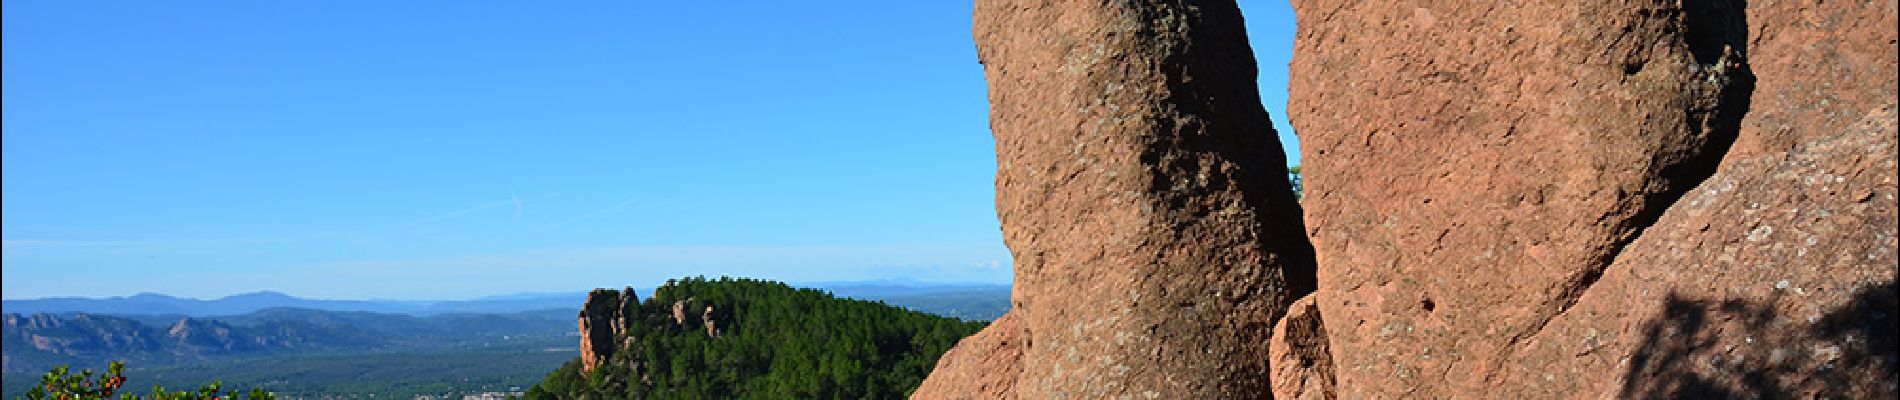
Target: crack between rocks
x=1574, y=288
x=1724, y=122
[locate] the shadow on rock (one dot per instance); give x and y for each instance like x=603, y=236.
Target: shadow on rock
x=1745, y=349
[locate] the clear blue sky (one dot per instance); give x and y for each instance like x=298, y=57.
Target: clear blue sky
x=453, y=149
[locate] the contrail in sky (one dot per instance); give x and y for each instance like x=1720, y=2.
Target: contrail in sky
x=517, y=200
x=513, y=200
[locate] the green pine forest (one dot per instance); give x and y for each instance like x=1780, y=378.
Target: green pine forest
x=774, y=341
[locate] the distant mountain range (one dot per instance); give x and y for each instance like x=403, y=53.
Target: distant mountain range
x=961, y=300
x=38, y=341
x=971, y=301
x=159, y=304
x=503, y=334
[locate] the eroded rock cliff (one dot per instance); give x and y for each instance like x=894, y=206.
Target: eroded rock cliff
x=602, y=319
x=1142, y=191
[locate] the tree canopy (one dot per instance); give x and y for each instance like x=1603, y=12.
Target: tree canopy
x=773, y=341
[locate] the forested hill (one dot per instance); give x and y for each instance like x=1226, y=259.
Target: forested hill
x=743, y=338
x=34, y=343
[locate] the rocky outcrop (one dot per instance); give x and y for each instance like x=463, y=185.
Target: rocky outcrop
x=1142, y=191
x=627, y=311
x=626, y=316
x=679, y=312
x=1521, y=199
x=983, y=366
x=194, y=335
x=606, y=321
x=601, y=322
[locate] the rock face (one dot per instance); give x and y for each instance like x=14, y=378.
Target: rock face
x=1466, y=183
x=1519, y=199
x=1823, y=65
x=1516, y=198
x=1137, y=166
x=203, y=335
x=679, y=312
x=601, y=320
x=1774, y=279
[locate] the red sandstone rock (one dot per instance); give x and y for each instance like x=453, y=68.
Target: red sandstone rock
x=1517, y=199
x=1774, y=279
x=983, y=366
x=597, y=322
x=1473, y=167
x=1143, y=193
x=1822, y=65
x=679, y=312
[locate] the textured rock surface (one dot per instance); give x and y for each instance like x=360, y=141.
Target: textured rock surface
x=1822, y=66
x=982, y=366
x=1143, y=193
x=1517, y=199
x=1472, y=167
x=1774, y=279
x=1302, y=366
x=1496, y=199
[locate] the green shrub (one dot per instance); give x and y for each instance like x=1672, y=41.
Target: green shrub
x=61, y=384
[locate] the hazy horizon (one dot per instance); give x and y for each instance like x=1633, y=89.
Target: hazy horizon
x=489, y=296
x=439, y=150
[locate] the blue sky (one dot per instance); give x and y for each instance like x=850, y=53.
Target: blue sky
x=454, y=149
